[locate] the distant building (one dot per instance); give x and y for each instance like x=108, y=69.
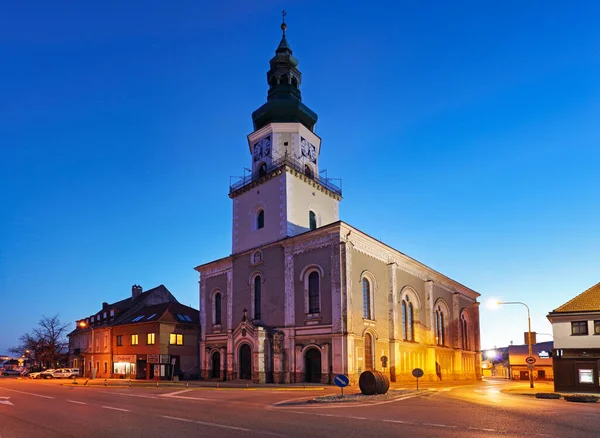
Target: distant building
x=305, y=296
x=509, y=362
x=147, y=336
x=576, y=329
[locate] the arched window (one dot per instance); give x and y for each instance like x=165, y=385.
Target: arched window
x=294, y=81
x=312, y=220
x=440, y=335
x=260, y=219
x=218, y=308
x=465, y=332
x=308, y=171
x=313, y=292
x=262, y=170
x=411, y=322
x=367, y=299
x=257, y=296
x=408, y=320
x=404, y=319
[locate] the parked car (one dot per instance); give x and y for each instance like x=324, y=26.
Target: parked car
x=65, y=373
x=47, y=374
x=11, y=372
x=34, y=375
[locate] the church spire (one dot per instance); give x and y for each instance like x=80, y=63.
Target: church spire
x=284, y=100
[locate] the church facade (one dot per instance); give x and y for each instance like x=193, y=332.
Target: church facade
x=305, y=296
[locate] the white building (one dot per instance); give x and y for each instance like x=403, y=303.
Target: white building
x=305, y=296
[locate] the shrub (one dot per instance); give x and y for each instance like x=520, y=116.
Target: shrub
x=552, y=395
x=582, y=398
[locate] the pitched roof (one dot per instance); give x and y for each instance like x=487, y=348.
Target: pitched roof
x=165, y=312
x=587, y=301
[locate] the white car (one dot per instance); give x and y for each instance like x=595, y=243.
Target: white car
x=66, y=373
x=47, y=374
x=35, y=375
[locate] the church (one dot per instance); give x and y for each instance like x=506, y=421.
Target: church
x=305, y=296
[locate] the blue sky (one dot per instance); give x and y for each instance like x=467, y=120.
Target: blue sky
x=466, y=136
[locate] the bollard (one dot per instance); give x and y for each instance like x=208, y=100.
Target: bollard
x=157, y=383
x=130, y=383
x=187, y=385
x=86, y=382
x=105, y=382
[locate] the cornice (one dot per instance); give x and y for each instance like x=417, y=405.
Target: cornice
x=215, y=268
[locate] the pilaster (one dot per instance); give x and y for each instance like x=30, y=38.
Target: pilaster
x=456, y=341
x=289, y=317
x=430, y=338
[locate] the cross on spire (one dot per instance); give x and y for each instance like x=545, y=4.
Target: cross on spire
x=283, y=25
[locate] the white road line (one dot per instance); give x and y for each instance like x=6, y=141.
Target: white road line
x=129, y=395
x=76, y=402
x=399, y=421
x=436, y=425
x=191, y=398
x=115, y=409
x=357, y=418
x=481, y=428
x=171, y=394
x=223, y=426
x=28, y=393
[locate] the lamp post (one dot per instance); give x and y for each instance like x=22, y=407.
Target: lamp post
x=84, y=324
x=528, y=335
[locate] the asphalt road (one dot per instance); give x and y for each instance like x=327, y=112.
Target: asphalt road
x=33, y=408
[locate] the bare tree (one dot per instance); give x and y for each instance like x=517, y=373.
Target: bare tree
x=46, y=343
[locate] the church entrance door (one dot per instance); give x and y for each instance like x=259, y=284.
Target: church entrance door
x=245, y=359
x=312, y=366
x=216, y=365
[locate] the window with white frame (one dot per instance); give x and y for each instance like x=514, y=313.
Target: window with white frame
x=257, y=296
x=260, y=219
x=314, y=299
x=312, y=220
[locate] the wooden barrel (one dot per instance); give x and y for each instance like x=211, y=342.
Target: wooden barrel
x=373, y=382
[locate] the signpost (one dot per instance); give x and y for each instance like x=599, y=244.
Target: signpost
x=341, y=380
x=417, y=372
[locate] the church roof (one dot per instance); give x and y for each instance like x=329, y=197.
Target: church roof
x=587, y=301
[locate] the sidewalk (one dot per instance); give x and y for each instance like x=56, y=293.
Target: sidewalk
x=195, y=384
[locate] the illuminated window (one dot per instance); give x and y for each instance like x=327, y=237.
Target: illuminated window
x=579, y=328
x=408, y=320
x=119, y=340
x=151, y=338
x=465, y=332
x=597, y=327
x=176, y=339
x=134, y=339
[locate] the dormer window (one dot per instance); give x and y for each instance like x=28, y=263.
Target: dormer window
x=92, y=319
x=260, y=219
x=112, y=313
x=104, y=315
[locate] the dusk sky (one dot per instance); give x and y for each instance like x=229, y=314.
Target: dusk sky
x=466, y=135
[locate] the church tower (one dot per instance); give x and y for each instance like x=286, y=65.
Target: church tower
x=285, y=193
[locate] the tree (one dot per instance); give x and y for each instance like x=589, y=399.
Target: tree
x=46, y=343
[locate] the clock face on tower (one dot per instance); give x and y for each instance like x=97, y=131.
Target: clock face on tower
x=308, y=150
x=262, y=148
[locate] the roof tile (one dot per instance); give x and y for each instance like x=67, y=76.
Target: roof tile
x=586, y=301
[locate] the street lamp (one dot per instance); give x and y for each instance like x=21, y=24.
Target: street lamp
x=528, y=334
x=83, y=324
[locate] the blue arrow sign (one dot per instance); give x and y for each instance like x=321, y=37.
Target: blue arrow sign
x=341, y=380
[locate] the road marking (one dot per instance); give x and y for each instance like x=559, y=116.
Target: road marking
x=223, y=426
x=129, y=395
x=77, y=402
x=399, y=421
x=357, y=418
x=481, y=428
x=5, y=401
x=436, y=425
x=115, y=409
x=172, y=394
x=28, y=393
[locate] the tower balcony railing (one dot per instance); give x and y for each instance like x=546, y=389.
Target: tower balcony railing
x=328, y=183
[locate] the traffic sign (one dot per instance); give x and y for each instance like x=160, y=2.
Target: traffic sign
x=417, y=372
x=530, y=360
x=341, y=380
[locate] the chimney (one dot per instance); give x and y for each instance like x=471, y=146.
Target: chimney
x=104, y=305
x=136, y=290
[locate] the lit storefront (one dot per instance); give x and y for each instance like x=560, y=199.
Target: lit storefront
x=124, y=365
